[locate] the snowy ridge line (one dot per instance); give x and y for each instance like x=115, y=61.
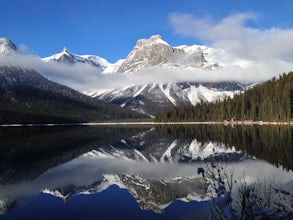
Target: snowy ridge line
x=153, y=123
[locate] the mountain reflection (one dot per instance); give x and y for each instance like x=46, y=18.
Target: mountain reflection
x=156, y=165
x=271, y=143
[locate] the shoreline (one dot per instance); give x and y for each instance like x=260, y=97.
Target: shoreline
x=226, y=123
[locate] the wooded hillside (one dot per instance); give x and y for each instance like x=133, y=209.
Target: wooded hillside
x=270, y=101
x=28, y=97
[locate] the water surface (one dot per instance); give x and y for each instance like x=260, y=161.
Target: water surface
x=131, y=172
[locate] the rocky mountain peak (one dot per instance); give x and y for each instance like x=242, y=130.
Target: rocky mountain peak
x=7, y=46
x=156, y=52
x=64, y=57
x=65, y=50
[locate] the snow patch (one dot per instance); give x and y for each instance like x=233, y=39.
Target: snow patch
x=167, y=93
x=113, y=68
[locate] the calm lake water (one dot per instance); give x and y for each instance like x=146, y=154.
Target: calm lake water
x=139, y=172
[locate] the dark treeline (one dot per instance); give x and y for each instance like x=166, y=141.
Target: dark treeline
x=270, y=101
x=271, y=143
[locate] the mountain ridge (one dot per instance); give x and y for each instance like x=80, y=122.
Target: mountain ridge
x=65, y=56
x=153, y=51
x=152, y=98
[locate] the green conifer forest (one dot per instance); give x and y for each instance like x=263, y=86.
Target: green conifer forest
x=269, y=101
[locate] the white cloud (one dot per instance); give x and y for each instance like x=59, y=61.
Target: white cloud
x=25, y=49
x=79, y=76
x=268, y=50
x=84, y=77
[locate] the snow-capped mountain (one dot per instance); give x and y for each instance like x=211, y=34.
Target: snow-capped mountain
x=7, y=46
x=146, y=53
x=69, y=58
x=157, y=52
x=150, y=98
x=153, y=98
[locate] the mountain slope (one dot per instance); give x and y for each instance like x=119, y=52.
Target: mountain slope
x=28, y=97
x=7, y=46
x=153, y=98
x=147, y=98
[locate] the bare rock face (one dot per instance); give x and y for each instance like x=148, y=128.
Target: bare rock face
x=155, y=51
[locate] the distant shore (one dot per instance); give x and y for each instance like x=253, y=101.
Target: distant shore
x=152, y=123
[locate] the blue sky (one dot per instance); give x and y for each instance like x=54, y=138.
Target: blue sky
x=110, y=28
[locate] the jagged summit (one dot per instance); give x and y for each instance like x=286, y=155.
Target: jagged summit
x=65, y=50
x=65, y=56
x=7, y=46
x=147, y=52
x=157, y=52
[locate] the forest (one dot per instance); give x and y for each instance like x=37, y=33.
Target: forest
x=269, y=101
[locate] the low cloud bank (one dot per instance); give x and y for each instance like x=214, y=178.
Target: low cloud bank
x=84, y=77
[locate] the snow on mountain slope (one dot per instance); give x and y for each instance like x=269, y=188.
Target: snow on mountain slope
x=153, y=98
x=205, y=94
x=69, y=58
x=150, y=97
x=99, y=61
x=148, y=53
x=113, y=68
x=7, y=46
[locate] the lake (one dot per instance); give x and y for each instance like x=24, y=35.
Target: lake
x=139, y=172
